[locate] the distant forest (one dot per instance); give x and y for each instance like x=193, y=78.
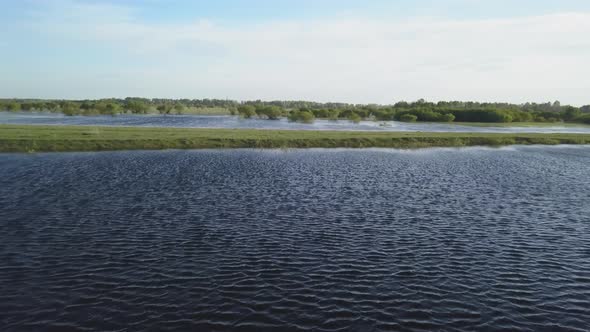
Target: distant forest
x=304, y=111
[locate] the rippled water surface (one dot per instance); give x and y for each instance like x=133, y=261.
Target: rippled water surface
x=222, y=121
x=246, y=240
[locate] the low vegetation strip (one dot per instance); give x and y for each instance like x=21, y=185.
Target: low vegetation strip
x=31, y=138
x=307, y=112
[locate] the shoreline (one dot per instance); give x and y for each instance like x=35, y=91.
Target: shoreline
x=56, y=138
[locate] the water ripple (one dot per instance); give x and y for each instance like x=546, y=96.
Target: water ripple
x=325, y=240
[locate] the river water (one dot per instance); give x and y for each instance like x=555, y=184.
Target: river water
x=224, y=121
x=332, y=240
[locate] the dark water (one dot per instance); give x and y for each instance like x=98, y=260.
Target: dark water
x=330, y=240
x=233, y=122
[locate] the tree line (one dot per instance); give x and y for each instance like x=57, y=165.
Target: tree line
x=420, y=110
x=113, y=106
x=303, y=111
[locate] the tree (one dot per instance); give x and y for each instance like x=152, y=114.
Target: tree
x=13, y=107
x=354, y=117
x=51, y=106
x=307, y=117
x=26, y=106
x=137, y=106
x=164, y=108
x=108, y=108
x=447, y=117
x=247, y=111
x=302, y=116
x=333, y=114
x=179, y=108
x=571, y=113
x=113, y=109
x=271, y=112
x=408, y=118
x=504, y=117
x=584, y=119
x=69, y=108
x=87, y=105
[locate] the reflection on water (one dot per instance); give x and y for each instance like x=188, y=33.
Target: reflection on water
x=208, y=121
x=245, y=240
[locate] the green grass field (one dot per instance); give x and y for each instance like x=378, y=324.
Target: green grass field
x=23, y=138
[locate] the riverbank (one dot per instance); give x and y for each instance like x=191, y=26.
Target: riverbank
x=23, y=138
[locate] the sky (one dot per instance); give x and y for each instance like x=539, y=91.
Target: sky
x=321, y=50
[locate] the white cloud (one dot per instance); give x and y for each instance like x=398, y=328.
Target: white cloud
x=351, y=59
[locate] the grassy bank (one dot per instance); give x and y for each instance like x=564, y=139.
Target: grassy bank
x=22, y=138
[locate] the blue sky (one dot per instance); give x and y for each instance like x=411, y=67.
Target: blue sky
x=254, y=10
x=332, y=50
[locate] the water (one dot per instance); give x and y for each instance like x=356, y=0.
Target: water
x=221, y=121
x=246, y=240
